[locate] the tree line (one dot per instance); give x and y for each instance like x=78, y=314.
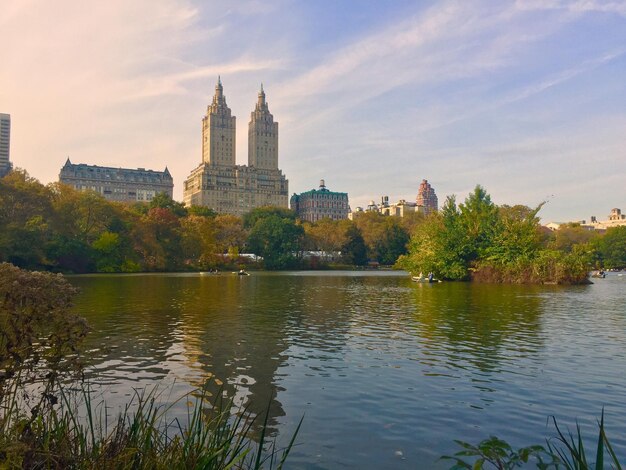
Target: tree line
x=54, y=227
x=482, y=241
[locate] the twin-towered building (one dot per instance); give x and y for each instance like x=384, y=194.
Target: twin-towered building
x=218, y=182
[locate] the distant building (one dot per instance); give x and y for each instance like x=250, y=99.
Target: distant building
x=426, y=203
x=318, y=204
x=554, y=226
x=117, y=184
x=218, y=182
x=400, y=209
x=5, y=143
x=426, y=198
x=615, y=219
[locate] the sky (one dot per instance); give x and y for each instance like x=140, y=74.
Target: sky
x=526, y=98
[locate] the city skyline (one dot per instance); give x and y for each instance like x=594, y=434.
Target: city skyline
x=525, y=98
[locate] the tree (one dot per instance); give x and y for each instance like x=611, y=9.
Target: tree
x=354, y=250
x=163, y=229
x=516, y=235
x=201, y=211
x=326, y=235
x=164, y=201
x=108, y=253
x=278, y=240
x=251, y=218
x=230, y=234
x=478, y=218
x=38, y=335
x=198, y=241
x=25, y=208
x=569, y=235
x=612, y=248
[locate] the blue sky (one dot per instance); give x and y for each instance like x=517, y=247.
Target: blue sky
x=527, y=98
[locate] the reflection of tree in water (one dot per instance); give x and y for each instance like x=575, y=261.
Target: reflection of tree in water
x=233, y=332
x=220, y=333
x=479, y=325
x=132, y=326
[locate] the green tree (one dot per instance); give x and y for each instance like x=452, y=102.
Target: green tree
x=250, y=219
x=569, y=235
x=478, y=218
x=201, y=211
x=25, y=209
x=278, y=240
x=164, y=201
x=108, y=253
x=198, y=241
x=354, y=250
x=612, y=248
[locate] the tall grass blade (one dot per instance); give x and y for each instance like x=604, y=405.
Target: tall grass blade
x=600, y=449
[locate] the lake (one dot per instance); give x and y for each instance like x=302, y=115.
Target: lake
x=386, y=372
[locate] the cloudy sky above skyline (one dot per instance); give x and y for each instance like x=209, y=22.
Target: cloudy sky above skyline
x=527, y=98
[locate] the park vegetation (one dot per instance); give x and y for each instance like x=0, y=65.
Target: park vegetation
x=566, y=451
x=478, y=240
x=49, y=417
x=56, y=228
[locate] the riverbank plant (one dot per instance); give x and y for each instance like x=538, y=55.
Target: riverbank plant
x=76, y=433
x=50, y=419
x=566, y=451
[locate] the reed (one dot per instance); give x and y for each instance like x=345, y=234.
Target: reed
x=76, y=433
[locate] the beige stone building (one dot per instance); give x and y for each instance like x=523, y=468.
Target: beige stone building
x=615, y=219
x=218, y=182
x=117, y=184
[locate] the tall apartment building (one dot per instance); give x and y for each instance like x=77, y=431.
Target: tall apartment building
x=426, y=198
x=5, y=144
x=321, y=203
x=218, y=182
x=117, y=184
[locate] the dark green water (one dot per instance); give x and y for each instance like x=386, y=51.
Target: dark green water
x=386, y=372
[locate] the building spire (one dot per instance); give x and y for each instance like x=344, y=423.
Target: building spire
x=261, y=103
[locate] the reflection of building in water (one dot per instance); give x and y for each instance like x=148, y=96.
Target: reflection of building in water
x=239, y=348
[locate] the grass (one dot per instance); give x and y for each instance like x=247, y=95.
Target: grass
x=75, y=433
x=564, y=451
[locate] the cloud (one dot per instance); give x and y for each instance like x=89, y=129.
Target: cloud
x=446, y=91
x=580, y=6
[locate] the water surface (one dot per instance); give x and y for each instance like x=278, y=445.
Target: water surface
x=386, y=372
